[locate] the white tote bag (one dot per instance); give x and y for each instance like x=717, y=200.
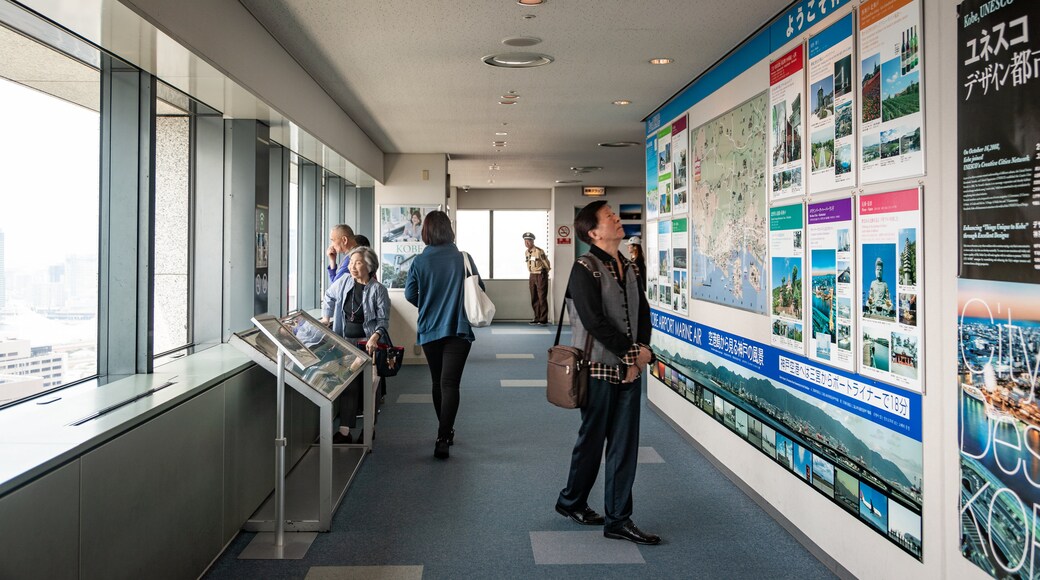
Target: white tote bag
x=479, y=308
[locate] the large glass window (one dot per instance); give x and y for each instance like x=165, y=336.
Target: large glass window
x=495, y=239
x=49, y=200
x=473, y=235
x=294, y=232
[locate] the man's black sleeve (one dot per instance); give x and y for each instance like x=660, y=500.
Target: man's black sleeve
x=584, y=288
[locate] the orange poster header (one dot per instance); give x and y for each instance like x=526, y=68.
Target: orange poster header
x=873, y=10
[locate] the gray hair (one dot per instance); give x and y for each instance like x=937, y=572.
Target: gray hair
x=368, y=256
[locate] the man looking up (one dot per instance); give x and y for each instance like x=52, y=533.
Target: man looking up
x=538, y=266
x=341, y=241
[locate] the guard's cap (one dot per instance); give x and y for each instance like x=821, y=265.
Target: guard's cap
x=635, y=241
x=528, y=236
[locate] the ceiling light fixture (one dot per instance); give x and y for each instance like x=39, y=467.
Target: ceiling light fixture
x=530, y=2
x=662, y=60
x=521, y=41
x=528, y=17
x=517, y=59
x=510, y=96
x=622, y=102
x=499, y=143
x=507, y=102
x=586, y=168
x=618, y=144
x=566, y=181
x=501, y=133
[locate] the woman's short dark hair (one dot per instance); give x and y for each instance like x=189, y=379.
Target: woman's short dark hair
x=436, y=229
x=587, y=220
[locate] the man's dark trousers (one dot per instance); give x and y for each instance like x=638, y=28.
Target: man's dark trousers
x=611, y=412
x=539, y=285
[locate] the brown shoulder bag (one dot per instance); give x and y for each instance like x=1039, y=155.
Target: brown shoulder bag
x=568, y=371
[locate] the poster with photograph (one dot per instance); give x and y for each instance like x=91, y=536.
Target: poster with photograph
x=888, y=262
x=680, y=166
x=650, y=250
x=400, y=231
x=786, y=249
x=664, y=171
x=652, y=201
x=831, y=99
x=664, y=263
x=829, y=234
x=998, y=135
x=786, y=84
x=891, y=103
x=680, y=268
x=998, y=334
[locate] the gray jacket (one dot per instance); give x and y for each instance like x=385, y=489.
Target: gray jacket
x=375, y=303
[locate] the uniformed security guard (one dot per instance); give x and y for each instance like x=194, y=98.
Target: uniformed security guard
x=538, y=266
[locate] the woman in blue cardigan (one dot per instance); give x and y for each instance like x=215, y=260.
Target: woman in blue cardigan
x=434, y=285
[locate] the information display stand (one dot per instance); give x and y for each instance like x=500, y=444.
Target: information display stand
x=314, y=361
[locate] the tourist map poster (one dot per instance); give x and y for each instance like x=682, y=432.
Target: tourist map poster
x=680, y=166
x=664, y=263
x=650, y=247
x=786, y=84
x=400, y=229
x=728, y=215
x=664, y=170
x=830, y=232
x=998, y=334
x=652, y=201
x=888, y=261
x=854, y=440
x=998, y=135
x=787, y=293
x=680, y=267
x=891, y=103
x=832, y=138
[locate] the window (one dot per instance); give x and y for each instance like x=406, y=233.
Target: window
x=495, y=239
x=294, y=231
x=49, y=215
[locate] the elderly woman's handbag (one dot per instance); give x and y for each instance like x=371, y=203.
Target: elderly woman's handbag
x=388, y=358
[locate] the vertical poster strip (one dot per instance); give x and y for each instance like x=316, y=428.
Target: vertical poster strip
x=664, y=170
x=664, y=263
x=680, y=270
x=889, y=271
x=831, y=290
x=261, y=251
x=786, y=249
x=652, y=202
x=400, y=229
x=680, y=165
x=786, y=84
x=891, y=103
x=998, y=334
x=831, y=104
x=650, y=245
x=998, y=135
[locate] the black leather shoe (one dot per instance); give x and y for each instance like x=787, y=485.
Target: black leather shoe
x=341, y=439
x=440, y=449
x=633, y=534
x=585, y=516
x=451, y=437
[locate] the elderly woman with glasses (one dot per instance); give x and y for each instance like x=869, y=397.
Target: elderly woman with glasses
x=358, y=308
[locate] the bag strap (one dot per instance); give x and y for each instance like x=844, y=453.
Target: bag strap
x=465, y=262
x=559, y=330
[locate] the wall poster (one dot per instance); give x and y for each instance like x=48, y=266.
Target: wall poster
x=831, y=130
x=831, y=290
x=652, y=268
x=652, y=201
x=786, y=84
x=680, y=270
x=664, y=263
x=891, y=105
x=854, y=440
x=664, y=170
x=400, y=230
x=998, y=135
x=891, y=301
x=786, y=251
x=680, y=166
x=728, y=217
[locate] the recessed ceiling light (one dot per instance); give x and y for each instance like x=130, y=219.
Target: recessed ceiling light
x=663, y=60
x=494, y=167
x=517, y=59
x=501, y=133
x=521, y=41
x=566, y=181
x=618, y=144
x=510, y=96
x=530, y=2
x=499, y=143
x=622, y=102
x=586, y=168
x=528, y=16
x=507, y=102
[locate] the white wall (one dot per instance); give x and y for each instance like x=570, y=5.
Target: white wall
x=855, y=547
x=404, y=185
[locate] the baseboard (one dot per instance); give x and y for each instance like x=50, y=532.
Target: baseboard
x=814, y=549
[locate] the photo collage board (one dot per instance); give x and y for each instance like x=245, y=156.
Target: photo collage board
x=998, y=314
x=400, y=235
x=775, y=226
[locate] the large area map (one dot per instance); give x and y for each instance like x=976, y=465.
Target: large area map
x=729, y=216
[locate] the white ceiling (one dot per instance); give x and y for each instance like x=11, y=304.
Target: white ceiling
x=409, y=74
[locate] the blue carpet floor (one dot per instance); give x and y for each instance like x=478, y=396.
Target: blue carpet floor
x=472, y=516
